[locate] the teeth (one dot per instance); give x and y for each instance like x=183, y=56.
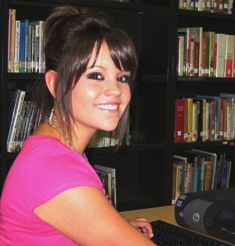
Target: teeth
x=107, y=106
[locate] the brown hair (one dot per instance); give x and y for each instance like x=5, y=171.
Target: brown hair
x=70, y=36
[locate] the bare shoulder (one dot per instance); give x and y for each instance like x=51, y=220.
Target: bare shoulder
x=86, y=216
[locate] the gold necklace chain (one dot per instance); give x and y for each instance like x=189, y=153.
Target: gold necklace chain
x=53, y=122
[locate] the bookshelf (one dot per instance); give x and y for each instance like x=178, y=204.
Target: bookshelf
x=143, y=169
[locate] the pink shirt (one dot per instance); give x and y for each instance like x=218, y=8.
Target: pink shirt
x=44, y=168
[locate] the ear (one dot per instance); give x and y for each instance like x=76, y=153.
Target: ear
x=50, y=77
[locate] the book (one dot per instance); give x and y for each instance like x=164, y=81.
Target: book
x=214, y=115
x=212, y=157
x=181, y=162
x=214, y=6
x=212, y=45
x=220, y=8
x=202, y=53
x=228, y=59
x=208, y=175
x=192, y=50
x=230, y=7
x=201, y=5
x=11, y=39
x=230, y=114
x=37, y=41
x=181, y=50
x=108, y=178
x=179, y=120
x=177, y=177
x=188, y=119
x=41, y=60
x=200, y=121
x=182, y=32
x=195, y=175
x=195, y=117
x=32, y=66
x=188, y=177
x=220, y=54
x=23, y=46
x=196, y=34
x=220, y=162
x=17, y=47
x=207, y=43
x=225, y=175
x=19, y=99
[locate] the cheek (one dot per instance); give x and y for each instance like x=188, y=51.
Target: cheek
x=126, y=94
x=82, y=95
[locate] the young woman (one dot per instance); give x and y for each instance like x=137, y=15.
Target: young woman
x=52, y=195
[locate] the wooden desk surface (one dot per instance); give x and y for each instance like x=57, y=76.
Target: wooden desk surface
x=165, y=213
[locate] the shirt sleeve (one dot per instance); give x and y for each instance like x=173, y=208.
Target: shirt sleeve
x=54, y=174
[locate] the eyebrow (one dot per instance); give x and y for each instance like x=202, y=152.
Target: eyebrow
x=96, y=66
x=101, y=67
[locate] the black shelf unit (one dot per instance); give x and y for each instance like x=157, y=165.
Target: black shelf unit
x=144, y=168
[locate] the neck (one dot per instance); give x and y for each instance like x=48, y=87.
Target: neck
x=81, y=135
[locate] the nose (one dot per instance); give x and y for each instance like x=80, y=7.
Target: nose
x=113, y=88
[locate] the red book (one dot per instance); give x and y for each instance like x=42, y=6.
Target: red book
x=179, y=120
x=228, y=62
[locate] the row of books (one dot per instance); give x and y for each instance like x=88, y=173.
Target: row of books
x=205, y=118
x=107, y=139
x=103, y=139
x=25, y=45
x=108, y=178
x=213, y=6
x=205, y=53
x=23, y=118
x=198, y=170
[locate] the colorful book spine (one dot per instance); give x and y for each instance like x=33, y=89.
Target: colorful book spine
x=17, y=47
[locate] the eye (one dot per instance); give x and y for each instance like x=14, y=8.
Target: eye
x=124, y=79
x=95, y=76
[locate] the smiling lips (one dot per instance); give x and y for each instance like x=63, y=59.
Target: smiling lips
x=109, y=107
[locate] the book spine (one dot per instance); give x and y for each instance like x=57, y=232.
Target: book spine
x=26, y=47
x=29, y=50
x=190, y=119
x=40, y=55
x=22, y=65
x=17, y=47
x=195, y=175
x=211, y=54
x=10, y=61
x=37, y=38
x=33, y=47
x=228, y=61
x=180, y=55
x=202, y=57
x=220, y=8
x=15, y=117
x=221, y=45
x=208, y=176
x=179, y=120
x=13, y=28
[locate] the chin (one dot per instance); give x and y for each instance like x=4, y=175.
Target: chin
x=109, y=128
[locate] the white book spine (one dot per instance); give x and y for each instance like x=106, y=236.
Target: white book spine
x=10, y=146
x=221, y=45
x=17, y=47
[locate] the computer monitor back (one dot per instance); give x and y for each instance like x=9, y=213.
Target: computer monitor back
x=211, y=212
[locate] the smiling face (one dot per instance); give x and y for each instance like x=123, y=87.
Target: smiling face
x=101, y=95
